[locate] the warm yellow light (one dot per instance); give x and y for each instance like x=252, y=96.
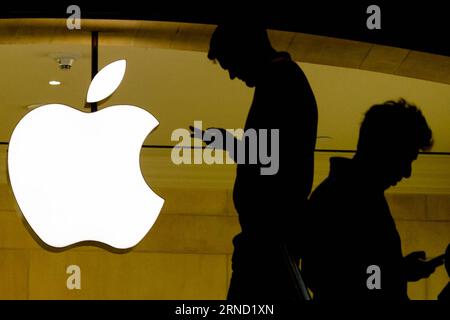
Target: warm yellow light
x=54, y=83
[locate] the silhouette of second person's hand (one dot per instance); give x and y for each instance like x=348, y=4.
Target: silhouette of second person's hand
x=417, y=268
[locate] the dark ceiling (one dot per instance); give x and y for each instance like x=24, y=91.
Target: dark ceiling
x=416, y=25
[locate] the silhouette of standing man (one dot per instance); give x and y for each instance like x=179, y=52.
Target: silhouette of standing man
x=269, y=206
x=350, y=226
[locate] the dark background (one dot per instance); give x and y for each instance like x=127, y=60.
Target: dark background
x=416, y=25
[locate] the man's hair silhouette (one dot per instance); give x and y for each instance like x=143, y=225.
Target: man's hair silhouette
x=233, y=40
x=392, y=126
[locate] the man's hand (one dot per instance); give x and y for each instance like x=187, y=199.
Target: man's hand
x=417, y=268
x=196, y=133
x=211, y=135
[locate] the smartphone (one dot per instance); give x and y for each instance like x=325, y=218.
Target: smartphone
x=438, y=261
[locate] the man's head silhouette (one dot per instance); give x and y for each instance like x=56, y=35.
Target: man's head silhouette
x=242, y=49
x=390, y=138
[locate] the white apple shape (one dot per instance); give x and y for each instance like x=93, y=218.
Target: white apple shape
x=106, y=81
x=76, y=176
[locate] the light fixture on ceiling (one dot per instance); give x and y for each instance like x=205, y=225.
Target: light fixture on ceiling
x=65, y=60
x=54, y=82
x=65, y=63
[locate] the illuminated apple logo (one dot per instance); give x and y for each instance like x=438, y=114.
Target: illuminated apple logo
x=76, y=176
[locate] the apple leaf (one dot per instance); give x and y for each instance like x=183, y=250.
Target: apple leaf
x=106, y=81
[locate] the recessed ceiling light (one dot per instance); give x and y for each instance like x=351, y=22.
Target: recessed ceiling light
x=54, y=83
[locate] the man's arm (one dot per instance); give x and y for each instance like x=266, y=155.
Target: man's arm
x=417, y=268
x=229, y=142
